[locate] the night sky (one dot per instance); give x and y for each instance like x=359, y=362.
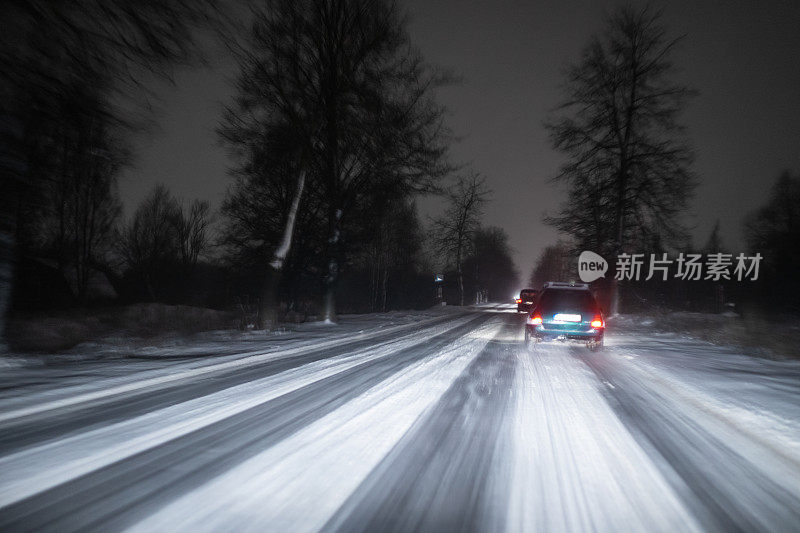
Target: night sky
x=742, y=57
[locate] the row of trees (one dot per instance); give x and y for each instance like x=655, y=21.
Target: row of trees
x=335, y=113
x=771, y=230
x=629, y=179
x=478, y=258
x=68, y=77
x=334, y=131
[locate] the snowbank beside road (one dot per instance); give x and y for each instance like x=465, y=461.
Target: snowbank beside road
x=174, y=344
x=25, y=388
x=777, y=338
x=151, y=329
x=62, y=330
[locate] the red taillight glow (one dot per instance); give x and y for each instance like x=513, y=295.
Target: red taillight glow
x=519, y=300
x=535, y=320
x=597, y=322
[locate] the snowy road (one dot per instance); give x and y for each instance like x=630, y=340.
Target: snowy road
x=433, y=422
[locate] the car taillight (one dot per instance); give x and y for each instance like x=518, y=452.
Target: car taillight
x=597, y=322
x=535, y=320
x=519, y=300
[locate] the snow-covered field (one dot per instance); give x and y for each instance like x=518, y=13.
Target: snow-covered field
x=436, y=421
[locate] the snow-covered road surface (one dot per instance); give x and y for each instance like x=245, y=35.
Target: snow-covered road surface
x=440, y=421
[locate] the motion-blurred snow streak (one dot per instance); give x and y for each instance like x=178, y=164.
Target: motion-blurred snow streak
x=59, y=461
x=345, y=446
x=435, y=421
x=588, y=472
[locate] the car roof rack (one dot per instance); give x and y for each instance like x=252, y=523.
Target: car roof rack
x=566, y=285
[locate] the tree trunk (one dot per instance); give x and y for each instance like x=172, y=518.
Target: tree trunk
x=13, y=176
x=374, y=275
x=9, y=237
x=117, y=282
x=614, y=300
x=329, y=306
x=6, y=273
x=385, y=287
x=332, y=277
x=268, y=307
x=614, y=297
x=460, y=285
x=622, y=187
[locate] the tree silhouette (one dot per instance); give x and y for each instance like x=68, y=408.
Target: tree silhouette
x=340, y=78
x=163, y=240
x=453, y=233
x=628, y=163
x=80, y=205
x=61, y=62
x=774, y=231
x=491, y=265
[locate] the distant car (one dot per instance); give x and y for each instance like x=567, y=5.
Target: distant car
x=565, y=312
x=526, y=299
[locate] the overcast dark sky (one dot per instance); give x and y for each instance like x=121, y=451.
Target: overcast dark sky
x=742, y=57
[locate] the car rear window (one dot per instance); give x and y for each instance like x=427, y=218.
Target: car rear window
x=527, y=294
x=567, y=300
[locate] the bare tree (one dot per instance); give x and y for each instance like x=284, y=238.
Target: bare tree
x=341, y=76
x=628, y=163
x=148, y=244
x=191, y=229
x=79, y=202
x=163, y=240
x=262, y=209
x=453, y=233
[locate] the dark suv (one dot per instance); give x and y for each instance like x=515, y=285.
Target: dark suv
x=526, y=299
x=566, y=311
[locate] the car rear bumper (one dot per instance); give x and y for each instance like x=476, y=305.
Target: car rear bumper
x=543, y=333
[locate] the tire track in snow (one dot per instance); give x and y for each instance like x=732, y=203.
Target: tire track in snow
x=575, y=466
x=44, y=466
x=122, y=492
x=298, y=484
x=75, y=395
x=105, y=407
x=730, y=480
x=447, y=473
